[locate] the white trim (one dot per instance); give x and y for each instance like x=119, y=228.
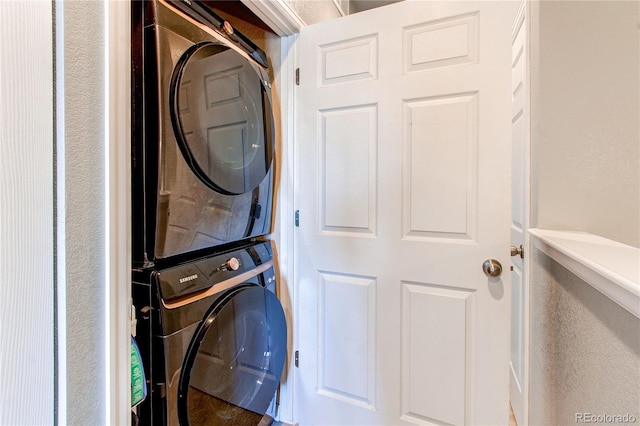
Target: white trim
x=117, y=194
x=60, y=224
x=526, y=11
x=611, y=267
x=294, y=103
x=286, y=249
x=339, y=7
x=277, y=14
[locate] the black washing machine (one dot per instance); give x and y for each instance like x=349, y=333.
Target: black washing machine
x=202, y=132
x=213, y=339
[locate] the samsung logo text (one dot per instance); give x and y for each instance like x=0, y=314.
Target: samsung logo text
x=189, y=278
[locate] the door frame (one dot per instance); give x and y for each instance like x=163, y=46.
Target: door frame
x=522, y=23
x=115, y=267
x=284, y=215
x=277, y=14
x=118, y=210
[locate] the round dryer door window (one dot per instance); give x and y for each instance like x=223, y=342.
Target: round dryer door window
x=235, y=360
x=221, y=113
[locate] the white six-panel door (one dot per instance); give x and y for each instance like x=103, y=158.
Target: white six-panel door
x=403, y=176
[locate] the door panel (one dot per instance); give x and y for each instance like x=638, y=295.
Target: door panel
x=347, y=331
x=403, y=149
x=436, y=389
x=440, y=167
x=348, y=154
x=519, y=215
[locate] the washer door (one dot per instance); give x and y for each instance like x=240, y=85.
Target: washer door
x=221, y=115
x=234, y=362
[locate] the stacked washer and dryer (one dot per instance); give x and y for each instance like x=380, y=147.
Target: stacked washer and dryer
x=211, y=331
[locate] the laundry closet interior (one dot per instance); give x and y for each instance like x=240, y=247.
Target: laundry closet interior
x=210, y=331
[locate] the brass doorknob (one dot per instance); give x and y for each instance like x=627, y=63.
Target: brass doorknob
x=517, y=251
x=492, y=268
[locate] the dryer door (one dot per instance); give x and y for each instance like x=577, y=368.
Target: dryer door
x=221, y=115
x=234, y=362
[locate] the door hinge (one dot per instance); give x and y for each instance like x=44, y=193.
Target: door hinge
x=296, y=219
x=297, y=76
x=296, y=359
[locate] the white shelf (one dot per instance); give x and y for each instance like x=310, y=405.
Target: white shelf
x=611, y=267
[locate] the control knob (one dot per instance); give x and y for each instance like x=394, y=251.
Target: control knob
x=232, y=264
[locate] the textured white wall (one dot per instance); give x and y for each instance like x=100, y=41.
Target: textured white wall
x=585, y=115
x=82, y=211
x=26, y=214
x=314, y=11
x=585, y=106
x=585, y=350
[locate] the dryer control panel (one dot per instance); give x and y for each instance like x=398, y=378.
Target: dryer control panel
x=222, y=271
